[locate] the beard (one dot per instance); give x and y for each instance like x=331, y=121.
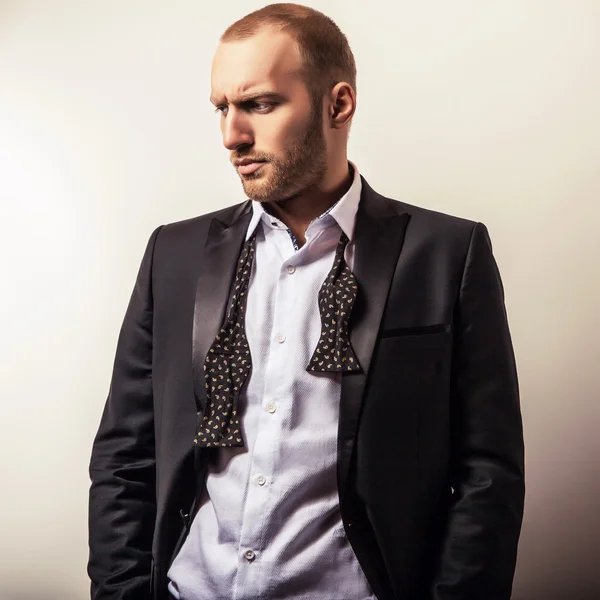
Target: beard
x=302, y=167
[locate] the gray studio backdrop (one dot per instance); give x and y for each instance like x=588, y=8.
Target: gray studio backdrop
x=485, y=109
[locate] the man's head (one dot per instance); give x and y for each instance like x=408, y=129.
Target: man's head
x=284, y=81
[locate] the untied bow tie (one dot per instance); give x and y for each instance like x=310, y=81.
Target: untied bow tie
x=228, y=362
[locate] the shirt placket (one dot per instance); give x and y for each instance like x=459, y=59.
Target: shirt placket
x=253, y=576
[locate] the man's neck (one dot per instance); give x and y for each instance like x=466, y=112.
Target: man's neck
x=298, y=212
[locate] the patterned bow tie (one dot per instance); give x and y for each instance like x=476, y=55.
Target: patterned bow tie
x=228, y=362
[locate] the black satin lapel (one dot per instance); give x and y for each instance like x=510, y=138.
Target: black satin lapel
x=376, y=256
x=223, y=246
x=379, y=235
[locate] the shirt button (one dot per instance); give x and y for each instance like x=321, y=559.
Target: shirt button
x=280, y=338
x=261, y=480
x=271, y=407
x=249, y=555
x=290, y=269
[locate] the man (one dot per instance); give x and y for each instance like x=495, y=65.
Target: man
x=314, y=393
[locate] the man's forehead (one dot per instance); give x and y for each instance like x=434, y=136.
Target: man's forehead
x=263, y=61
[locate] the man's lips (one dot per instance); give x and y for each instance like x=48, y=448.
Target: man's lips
x=246, y=167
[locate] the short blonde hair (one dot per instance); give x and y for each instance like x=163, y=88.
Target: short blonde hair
x=324, y=48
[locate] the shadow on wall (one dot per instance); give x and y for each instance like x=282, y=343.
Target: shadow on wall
x=36, y=595
x=7, y=8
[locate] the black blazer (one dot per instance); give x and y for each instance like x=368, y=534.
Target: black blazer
x=430, y=445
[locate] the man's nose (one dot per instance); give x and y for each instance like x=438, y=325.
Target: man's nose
x=236, y=130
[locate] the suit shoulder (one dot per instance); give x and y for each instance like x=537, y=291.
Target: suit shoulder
x=422, y=221
x=192, y=230
x=439, y=236
x=434, y=221
x=203, y=221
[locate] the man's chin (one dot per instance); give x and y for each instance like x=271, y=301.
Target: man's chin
x=257, y=191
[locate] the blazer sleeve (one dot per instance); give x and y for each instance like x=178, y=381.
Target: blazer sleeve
x=487, y=464
x=122, y=505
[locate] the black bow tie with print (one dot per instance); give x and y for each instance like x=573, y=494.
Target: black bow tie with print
x=228, y=362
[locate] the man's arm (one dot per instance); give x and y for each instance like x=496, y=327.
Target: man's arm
x=487, y=471
x=122, y=504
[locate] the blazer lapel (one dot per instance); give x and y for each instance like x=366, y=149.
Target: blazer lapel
x=379, y=235
x=223, y=245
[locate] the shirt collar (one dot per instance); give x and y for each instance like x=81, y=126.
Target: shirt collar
x=343, y=211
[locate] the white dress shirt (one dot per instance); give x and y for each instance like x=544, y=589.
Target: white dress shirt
x=269, y=524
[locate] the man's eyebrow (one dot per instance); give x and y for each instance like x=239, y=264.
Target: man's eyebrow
x=251, y=96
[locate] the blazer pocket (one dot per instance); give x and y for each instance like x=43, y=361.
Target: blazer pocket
x=415, y=351
x=420, y=330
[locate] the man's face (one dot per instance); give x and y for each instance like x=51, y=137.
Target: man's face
x=267, y=116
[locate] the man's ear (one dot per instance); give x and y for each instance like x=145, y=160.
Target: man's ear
x=343, y=105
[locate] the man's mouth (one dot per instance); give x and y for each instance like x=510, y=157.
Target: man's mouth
x=246, y=167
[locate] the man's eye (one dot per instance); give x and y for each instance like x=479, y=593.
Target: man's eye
x=261, y=107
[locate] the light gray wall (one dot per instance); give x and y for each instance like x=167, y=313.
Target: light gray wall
x=484, y=109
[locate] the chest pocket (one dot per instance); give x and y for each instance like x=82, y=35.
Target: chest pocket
x=411, y=365
x=427, y=347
